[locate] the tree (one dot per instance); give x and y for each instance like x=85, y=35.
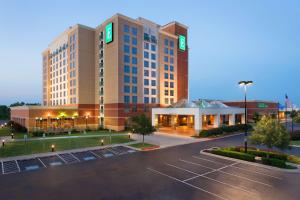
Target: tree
x=256, y=117
x=293, y=115
x=4, y=112
x=142, y=125
x=270, y=133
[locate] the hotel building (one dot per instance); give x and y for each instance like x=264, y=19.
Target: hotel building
x=101, y=77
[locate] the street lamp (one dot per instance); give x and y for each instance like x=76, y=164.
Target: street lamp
x=245, y=84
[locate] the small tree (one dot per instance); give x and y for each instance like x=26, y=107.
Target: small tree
x=256, y=117
x=293, y=115
x=142, y=125
x=270, y=133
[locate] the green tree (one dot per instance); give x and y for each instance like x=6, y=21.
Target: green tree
x=293, y=115
x=256, y=117
x=270, y=133
x=142, y=125
x=4, y=112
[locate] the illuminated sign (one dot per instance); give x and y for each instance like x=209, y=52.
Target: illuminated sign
x=182, y=42
x=109, y=33
x=262, y=105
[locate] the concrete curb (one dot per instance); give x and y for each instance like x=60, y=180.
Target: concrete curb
x=254, y=164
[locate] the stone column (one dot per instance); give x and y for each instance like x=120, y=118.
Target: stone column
x=217, y=121
x=243, y=118
x=231, y=119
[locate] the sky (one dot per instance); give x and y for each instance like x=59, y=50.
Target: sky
x=228, y=40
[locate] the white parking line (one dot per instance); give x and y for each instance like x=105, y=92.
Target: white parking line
x=97, y=156
x=62, y=159
x=2, y=168
x=195, y=164
x=42, y=162
x=75, y=157
x=18, y=166
x=202, y=175
x=238, y=167
x=193, y=186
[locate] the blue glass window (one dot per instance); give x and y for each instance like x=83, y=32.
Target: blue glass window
x=126, y=49
x=171, y=68
x=166, y=59
x=146, y=72
x=134, y=60
x=134, y=99
x=153, y=56
x=126, y=38
x=172, y=60
x=153, y=74
x=134, y=79
x=166, y=42
x=153, y=65
x=153, y=91
x=134, y=31
x=166, y=75
x=171, y=84
x=126, y=69
x=127, y=89
x=146, y=81
x=134, y=50
x=166, y=50
x=153, y=82
x=134, y=41
x=126, y=99
x=134, y=69
x=126, y=28
x=172, y=52
x=126, y=59
x=166, y=67
x=126, y=79
x=153, y=47
x=146, y=99
x=172, y=76
x=134, y=89
x=146, y=45
x=153, y=100
x=146, y=90
x=146, y=63
x=146, y=54
x=171, y=43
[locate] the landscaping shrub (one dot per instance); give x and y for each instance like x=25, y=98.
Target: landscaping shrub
x=17, y=127
x=263, y=153
x=274, y=162
x=295, y=135
x=230, y=129
x=234, y=154
x=210, y=132
x=37, y=133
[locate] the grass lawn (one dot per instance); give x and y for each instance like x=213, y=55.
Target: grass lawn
x=42, y=146
x=141, y=145
x=295, y=142
x=5, y=131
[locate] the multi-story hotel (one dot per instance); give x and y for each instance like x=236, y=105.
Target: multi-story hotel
x=103, y=76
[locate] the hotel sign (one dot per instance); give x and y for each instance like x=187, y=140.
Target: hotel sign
x=182, y=42
x=109, y=33
x=262, y=105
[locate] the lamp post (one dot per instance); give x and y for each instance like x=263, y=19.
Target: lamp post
x=245, y=84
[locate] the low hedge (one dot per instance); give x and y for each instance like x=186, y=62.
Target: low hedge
x=237, y=127
x=263, y=153
x=234, y=154
x=211, y=132
x=274, y=162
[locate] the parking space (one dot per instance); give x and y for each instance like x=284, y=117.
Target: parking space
x=220, y=178
x=14, y=166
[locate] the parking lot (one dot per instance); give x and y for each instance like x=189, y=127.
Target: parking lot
x=15, y=166
x=219, y=178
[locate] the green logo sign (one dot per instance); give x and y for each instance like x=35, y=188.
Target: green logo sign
x=182, y=42
x=109, y=33
x=262, y=105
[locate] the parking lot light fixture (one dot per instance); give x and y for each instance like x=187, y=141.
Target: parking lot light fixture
x=52, y=147
x=12, y=136
x=3, y=143
x=129, y=135
x=102, y=142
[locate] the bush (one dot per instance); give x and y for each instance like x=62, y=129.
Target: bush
x=17, y=127
x=274, y=162
x=38, y=133
x=234, y=128
x=234, y=154
x=263, y=153
x=210, y=132
x=295, y=135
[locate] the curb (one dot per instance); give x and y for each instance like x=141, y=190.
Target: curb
x=254, y=164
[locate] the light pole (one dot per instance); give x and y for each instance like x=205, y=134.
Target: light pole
x=245, y=84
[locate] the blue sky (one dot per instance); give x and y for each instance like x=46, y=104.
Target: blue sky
x=229, y=41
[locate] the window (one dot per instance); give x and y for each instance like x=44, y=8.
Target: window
x=134, y=31
x=126, y=99
x=126, y=89
x=153, y=74
x=126, y=38
x=126, y=59
x=172, y=60
x=146, y=90
x=153, y=47
x=146, y=72
x=153, y=39
x=153, y=56
x=134, y=60
x=166, y=67
x=146, y=81
x=134, y=89
x=146, y=63
x=146, y=99
x=146, y=54
x=126, y=69
x=134, y=41
x=134, y=79
x=146, y=37
x=166, y=75
x=166, y=50
x=146, y=45
x=172, y=93
x=134, y=69
x=153, y=100
x=126, y=49
x=126, y=28
x=171, y=68
x=153, y=91
x=171, y=84
x=153, y=65
x=134, y=50
x=153, y=82
x=166, y=92
x=172, y=76
x=126, y=79
x=167, y=84
x=166, y=59
x=134, y=99
x=171, y=43
x=166, y=42
x=172, y=52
